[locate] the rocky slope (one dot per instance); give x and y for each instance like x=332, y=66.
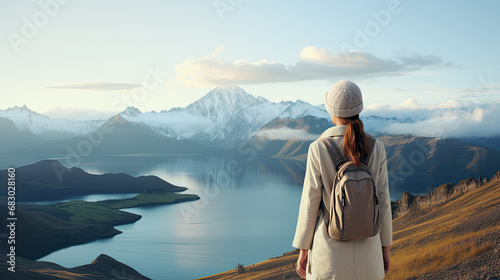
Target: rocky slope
x=439, y=195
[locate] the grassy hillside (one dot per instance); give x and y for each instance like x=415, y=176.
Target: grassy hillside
x=147, y=198
x=88, y=212
x=450, y=239
x=458, y=239
x=106, y=211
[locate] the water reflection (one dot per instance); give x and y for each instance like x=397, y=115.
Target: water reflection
x=247, y=214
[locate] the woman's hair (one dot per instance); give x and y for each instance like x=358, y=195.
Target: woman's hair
x=356, y=142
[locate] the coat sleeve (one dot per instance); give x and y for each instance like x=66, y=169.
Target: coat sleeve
x=310, y=200
x=385, y=199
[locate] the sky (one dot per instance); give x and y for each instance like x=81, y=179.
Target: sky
x=90, y=59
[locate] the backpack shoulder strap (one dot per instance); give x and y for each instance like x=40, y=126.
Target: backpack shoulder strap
x=372, y=145
x=334, y=151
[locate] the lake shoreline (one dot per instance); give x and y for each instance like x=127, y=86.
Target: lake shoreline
x=80, y=222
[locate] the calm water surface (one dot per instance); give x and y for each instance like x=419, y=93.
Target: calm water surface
x=247, y=213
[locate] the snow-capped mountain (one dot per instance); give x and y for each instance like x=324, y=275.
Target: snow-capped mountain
x=45, y=127
x=222, y=116
x=300, y=109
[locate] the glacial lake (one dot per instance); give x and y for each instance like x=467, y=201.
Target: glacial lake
x=247, y=214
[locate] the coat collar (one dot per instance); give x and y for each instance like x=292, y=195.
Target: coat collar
x=334, y=131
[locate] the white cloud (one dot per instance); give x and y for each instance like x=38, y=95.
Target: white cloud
x=451, y=104
x=286, y=133
x=314, y=64
x=211, y=70
x=408, y=104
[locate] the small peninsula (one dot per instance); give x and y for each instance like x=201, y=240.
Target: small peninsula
x=70, y=223
x=48, y=180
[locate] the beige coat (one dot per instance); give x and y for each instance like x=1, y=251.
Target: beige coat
x=329, y=258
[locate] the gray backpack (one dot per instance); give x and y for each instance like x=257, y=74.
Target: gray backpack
x=354, y=205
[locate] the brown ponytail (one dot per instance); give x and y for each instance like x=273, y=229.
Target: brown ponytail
x=356, y=142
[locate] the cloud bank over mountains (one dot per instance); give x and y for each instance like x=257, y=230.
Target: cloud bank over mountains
x=285, y=133
x=314, y=64
x=452, y=118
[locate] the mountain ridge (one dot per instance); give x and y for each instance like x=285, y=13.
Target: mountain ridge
x=45, y=127
x=439, y=195
x=223, y=117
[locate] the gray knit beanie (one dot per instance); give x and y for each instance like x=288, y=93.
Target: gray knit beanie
x=344, y=99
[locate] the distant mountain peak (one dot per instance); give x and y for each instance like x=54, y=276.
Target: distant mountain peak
x=221, y=101
x=229, y=94
x=23, y=109
x=228, y=88
x=131, y=111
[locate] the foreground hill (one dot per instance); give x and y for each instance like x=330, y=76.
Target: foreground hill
x=103, y=267
x=50, y=180
x=456, y=238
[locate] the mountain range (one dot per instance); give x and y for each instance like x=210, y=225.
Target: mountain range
x=227, y=119
x=223, y=117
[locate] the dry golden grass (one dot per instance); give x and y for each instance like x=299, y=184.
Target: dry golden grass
x=433, y=256
x=58, y=274
x=274, y=268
